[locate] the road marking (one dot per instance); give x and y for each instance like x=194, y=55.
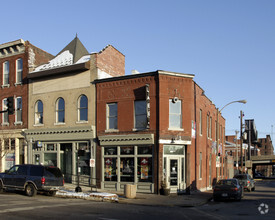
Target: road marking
x=38, y=207
x=206, y=213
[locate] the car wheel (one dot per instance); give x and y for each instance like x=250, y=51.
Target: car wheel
x=30, y=190
x=51, y=193
x=1, y=187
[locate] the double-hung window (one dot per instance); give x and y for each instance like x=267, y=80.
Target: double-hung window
x=6, y=73
x=111, y=116
x=19, y=70
x=18, y=110
x=5, y=115
x=175, y=114
x=140, y=115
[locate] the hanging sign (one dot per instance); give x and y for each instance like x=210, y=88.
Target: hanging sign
x=92, y=162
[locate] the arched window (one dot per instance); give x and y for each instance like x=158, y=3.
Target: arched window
x=83, y=108
x=39, y=112
x=60, y=110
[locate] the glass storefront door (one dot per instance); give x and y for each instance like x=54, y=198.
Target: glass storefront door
x=174, y=168
x=66, y=161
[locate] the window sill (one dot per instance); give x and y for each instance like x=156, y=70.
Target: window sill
x=18, y=123
x=18, y=84
x=59, y=123
x=175, y=129
x=111, y=130
x=38, y=125
x=6, y=85
x=82, y=122
x=5, y=124
x=139, y=129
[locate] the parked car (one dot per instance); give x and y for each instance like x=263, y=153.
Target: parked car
x=247, y=181
x=32, y=178
x=227, y=189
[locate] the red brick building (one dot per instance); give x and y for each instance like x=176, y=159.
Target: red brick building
x=17, y=58
x=155, y=128
x=266, y=148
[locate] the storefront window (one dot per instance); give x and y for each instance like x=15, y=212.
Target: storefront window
x=128, y=163
x=127, y=150
x=50, y=147
x=110, y=169
x=145, y=150
x=145, y=169
x=127, y=173
x=110, y=151
x=50, y=159
x=174, y=150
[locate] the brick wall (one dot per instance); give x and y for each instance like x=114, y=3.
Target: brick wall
x=111, y=61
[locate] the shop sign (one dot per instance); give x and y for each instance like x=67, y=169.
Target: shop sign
x=218, y=163
x=193, y=129
x=92, y=162
x=10, y=160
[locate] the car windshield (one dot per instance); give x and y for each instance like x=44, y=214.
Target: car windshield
x=227, y=182
x=52, y=172
x=242, y=177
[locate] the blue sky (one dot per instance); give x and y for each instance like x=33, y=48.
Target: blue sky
x=228, y=44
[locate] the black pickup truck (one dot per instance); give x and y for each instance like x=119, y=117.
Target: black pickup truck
x=31, y=179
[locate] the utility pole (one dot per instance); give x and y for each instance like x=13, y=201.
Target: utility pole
x=241, y=140
x=237, y=149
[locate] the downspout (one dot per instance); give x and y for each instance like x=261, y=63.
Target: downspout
x=157, y=130
x=195, y=115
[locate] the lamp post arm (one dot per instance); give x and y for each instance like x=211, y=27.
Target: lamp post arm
x=241, y=101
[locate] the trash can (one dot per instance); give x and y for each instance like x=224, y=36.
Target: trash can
x=130, y=191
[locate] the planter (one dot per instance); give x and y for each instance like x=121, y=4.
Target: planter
x=165, y=191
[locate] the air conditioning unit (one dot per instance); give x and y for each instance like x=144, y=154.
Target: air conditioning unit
x=175, y=99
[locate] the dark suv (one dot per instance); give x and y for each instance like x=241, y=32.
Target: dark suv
x=32, y=178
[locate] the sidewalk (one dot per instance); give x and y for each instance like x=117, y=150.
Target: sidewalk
x=195, y=199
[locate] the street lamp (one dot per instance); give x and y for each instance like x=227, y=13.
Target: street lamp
x=240, y=101
x=217, y=126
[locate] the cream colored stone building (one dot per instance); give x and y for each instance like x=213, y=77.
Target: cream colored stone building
x=62, y=109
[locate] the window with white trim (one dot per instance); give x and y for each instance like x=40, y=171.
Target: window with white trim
x=60, y=110
x=5, y=115
x=6, y=73
x=38, y=112
x=175, y=115
x=83, y=108
x=111, y=116
x=18, y=109
x=19, y=70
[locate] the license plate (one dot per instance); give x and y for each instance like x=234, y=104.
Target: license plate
x=224, y=195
